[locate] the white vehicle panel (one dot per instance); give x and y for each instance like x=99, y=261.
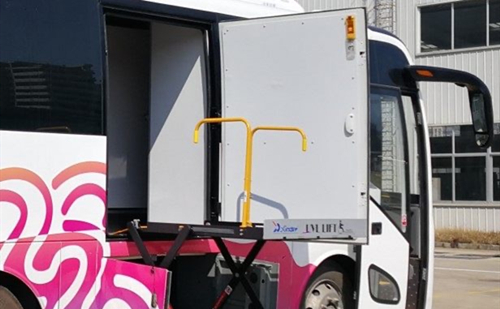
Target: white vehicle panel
x=379, y=255
x=178, y=101
x=56, y=181
x=302, y=73
x=377, y=36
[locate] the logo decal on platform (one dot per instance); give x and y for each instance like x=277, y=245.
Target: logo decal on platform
x=278, y=228
x=325, y=228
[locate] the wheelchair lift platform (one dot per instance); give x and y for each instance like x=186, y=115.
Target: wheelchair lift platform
x=268, y=230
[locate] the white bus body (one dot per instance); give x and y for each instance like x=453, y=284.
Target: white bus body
x=105, y=202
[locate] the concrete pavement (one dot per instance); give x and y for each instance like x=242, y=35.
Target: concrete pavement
x=465, y=279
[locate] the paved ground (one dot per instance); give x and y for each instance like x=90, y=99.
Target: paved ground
x=465, y=279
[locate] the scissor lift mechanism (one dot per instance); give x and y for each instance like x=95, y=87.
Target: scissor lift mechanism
x=246, y=230
x=185, y=232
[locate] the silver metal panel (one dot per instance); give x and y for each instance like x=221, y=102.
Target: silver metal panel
x=178, y=101
x=468, y=216
x=294, y=71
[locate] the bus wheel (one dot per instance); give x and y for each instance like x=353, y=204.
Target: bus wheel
x=8, y=300
x=329, y=288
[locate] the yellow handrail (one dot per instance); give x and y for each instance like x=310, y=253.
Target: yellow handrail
x=273, y=128
x=247, y=185
x=219, y=120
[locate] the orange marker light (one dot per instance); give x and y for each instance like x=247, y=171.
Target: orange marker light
x=425, y=73
x=350, y=24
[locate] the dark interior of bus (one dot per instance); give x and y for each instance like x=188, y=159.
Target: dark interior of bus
x=127, y=109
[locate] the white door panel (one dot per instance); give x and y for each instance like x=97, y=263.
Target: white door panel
x=387, y=254
x=178, y=101
x=297, y=71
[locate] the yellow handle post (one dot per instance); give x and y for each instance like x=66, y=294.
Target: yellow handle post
x=245, y=222
x=247, y=185
x=248, y=168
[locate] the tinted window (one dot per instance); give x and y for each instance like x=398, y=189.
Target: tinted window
x=442, y=179
x=441, y=138
x=383, y=287
x=465, y=140
x=412, y=133
x=435, y=28
x=494, y=25
x=470, y=179
x=441, y=144
x=495, y=147
x=386, y=64
x=50, y=66
x=470, y=24
x=496, y=178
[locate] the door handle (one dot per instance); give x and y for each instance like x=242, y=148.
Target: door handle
x=377, y=228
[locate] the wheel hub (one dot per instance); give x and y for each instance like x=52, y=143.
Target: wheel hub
x=324, y=295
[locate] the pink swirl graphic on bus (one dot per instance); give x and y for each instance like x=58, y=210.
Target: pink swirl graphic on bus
x=89, y=189
x=35, y=180
x=17, y=200
x=83, y=190
x=78, y=169
x=68, y=263
x=129, y=282
x=64, y=263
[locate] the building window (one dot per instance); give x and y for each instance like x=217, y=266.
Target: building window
x=442, y=179
x=457, y=25
x=461, y=171
x=470, y=21
x=496, y=178
x=51, y=66
x=494, y=22
x=470, y=179
x=435, y=24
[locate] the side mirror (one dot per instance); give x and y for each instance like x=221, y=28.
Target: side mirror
x=479, y=97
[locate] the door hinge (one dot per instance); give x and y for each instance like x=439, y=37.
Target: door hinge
x=154, y=300
x=424, y=274
x=419, y=118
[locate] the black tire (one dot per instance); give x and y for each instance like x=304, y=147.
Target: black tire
x=8, y=300
x=331, y=287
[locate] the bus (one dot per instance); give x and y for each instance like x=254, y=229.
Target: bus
x=106, y=202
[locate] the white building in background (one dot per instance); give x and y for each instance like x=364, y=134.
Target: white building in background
x=464, y=35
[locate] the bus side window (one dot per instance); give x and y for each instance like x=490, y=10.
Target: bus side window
x=51, y=66
x=413, y=155
x=388, y=157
